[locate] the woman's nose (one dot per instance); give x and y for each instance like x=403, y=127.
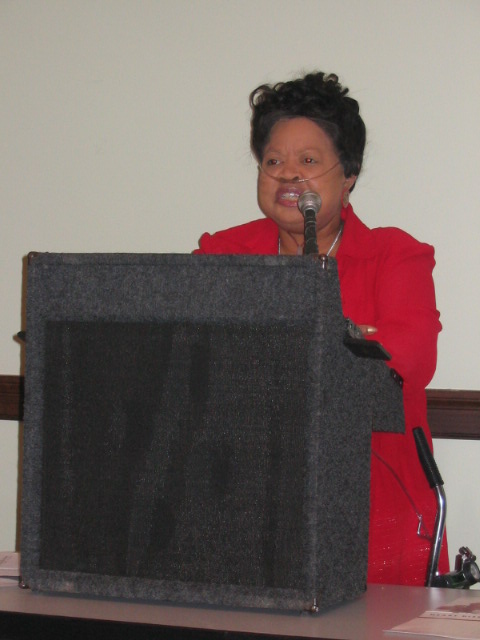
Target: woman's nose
x=290, y=172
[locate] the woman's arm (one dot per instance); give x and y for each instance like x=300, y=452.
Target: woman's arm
x=407, y=319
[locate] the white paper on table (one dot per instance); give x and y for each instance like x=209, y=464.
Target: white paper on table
x=459, y=620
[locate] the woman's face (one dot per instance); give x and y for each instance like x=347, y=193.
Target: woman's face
x=301, y=157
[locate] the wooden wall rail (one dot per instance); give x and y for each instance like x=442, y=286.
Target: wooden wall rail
x=11, y=397
x=451, y=413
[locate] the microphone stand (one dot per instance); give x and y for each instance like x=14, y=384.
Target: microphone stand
x=310, y=248
x=310, y=232
x=309, y=204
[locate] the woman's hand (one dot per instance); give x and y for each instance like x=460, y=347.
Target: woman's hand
x=367, y=329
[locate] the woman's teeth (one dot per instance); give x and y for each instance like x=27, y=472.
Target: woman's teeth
x=290, y=195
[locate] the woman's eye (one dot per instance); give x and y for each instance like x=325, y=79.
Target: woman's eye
x=272, y=162
x=309, y=161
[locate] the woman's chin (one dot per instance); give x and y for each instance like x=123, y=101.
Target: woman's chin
x=289, y=218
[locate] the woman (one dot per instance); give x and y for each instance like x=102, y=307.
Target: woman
x=307, y=135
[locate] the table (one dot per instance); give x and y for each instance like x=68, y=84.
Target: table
x=26, y=614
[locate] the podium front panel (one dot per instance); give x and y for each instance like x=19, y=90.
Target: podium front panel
x=195, y=431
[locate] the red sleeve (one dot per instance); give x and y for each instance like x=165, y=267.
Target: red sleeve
x=406, y=314
x=388, y=284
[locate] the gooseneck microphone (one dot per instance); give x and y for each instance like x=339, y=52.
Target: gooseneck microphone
x=309, y=204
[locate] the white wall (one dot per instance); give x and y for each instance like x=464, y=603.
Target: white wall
x=124, y=127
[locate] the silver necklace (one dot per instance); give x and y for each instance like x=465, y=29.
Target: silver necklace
x=337, y=238
x=300, y=247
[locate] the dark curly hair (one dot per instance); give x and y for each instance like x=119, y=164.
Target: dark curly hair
x=322, y=99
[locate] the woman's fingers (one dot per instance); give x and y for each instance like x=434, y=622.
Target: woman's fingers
x=367, y=329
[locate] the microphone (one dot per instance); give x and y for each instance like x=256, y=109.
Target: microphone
x=309, y=204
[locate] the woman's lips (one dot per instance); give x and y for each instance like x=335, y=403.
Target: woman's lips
x=288, y=197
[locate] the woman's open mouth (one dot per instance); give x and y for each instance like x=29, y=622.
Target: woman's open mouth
x=288, y=196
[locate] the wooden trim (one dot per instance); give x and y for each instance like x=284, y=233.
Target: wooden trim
x=451, y=413
x=454, y=413
x=11, y=397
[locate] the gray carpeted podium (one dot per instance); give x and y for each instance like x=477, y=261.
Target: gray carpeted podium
x=196, y=431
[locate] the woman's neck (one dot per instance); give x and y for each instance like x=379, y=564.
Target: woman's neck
x=291, y=244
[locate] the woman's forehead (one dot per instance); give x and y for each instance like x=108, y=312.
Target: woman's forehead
x=298, y=134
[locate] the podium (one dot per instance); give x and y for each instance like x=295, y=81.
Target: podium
x=196, y=431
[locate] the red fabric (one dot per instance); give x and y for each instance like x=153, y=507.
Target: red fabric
x=385, y=281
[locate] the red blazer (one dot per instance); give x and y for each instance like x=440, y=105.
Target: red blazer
x=385, y=281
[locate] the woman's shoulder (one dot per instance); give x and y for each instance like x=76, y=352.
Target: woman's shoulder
x=255, y=237
x=395, y=237
x=382, y=240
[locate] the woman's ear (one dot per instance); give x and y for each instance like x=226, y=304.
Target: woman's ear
x=350, y=182
x=347, y=187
